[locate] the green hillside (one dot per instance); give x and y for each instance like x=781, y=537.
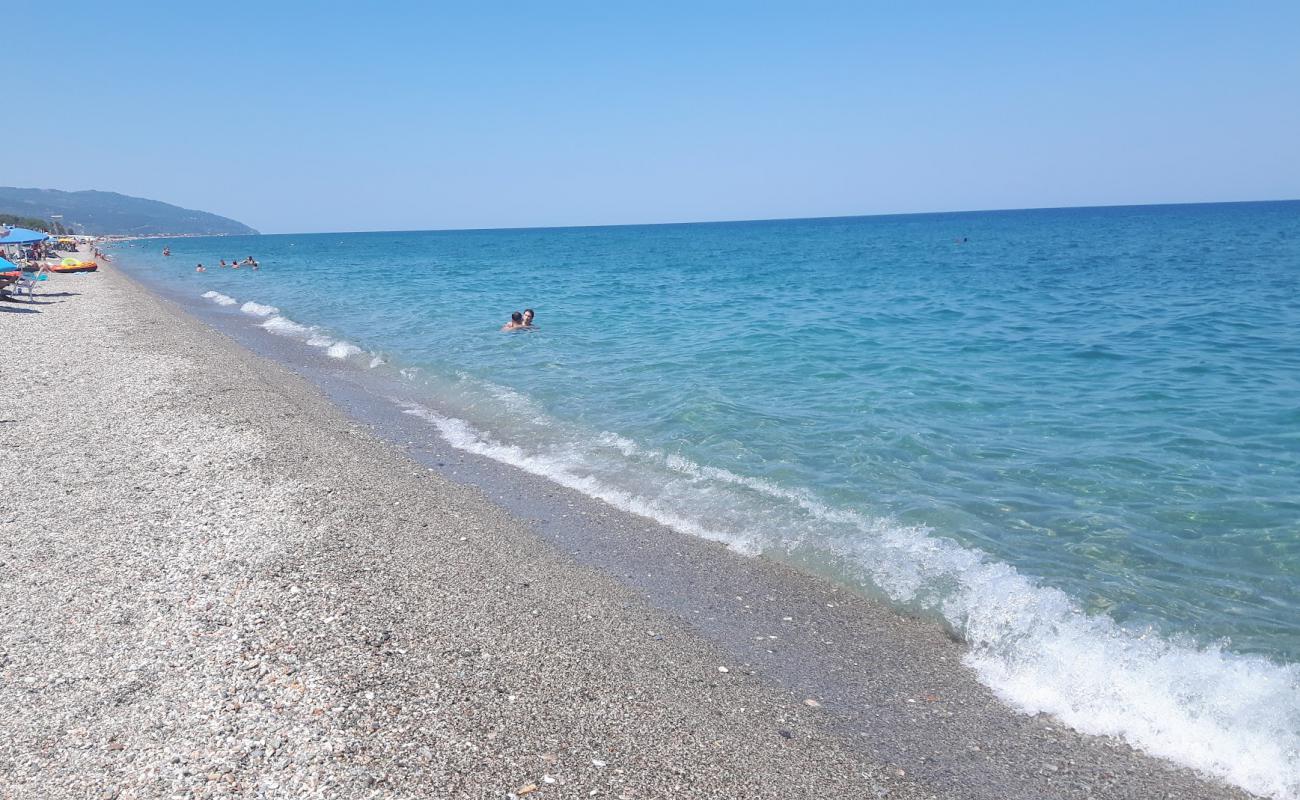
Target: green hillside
x=96, y=212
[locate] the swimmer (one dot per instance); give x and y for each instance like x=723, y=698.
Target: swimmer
x=516, y=322
x=223, y=262
x=200, y=268
x=528, y=318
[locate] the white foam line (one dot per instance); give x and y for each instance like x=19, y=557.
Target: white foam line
x=1229, y=716
x=220, y=299
x=342, y=350
x=287, y=327
x=310, y=335
x=460, y=435
x=258, y=310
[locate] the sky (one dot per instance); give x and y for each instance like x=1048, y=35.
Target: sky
x=415, y=115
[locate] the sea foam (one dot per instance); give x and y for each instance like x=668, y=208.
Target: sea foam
x=220, y=299
x=342, y=350
x=258, y=309
x=308, y=334
x=1230, y=716
x=286, y=327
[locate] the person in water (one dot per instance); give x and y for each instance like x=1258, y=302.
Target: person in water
x=223, y=262
x=528, y=318
x=516, y=322
x=200, y=268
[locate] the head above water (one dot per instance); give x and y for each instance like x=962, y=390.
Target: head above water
x=516, y=317
x=528, y=315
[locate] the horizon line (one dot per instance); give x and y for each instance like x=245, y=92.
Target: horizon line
x=722, y=221
x=781, y=219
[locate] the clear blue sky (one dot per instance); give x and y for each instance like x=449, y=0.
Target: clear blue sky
x=304, y=117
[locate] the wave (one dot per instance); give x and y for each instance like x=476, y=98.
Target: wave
x=220, y=299
x=286, y=327
x=308, y=334
x=258, y=310
x=1231, y=716
x=342, y=350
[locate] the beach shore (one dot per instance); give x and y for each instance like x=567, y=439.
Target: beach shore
x=217, y=583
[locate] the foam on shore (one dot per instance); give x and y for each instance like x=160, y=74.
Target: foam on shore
x=258, y=310
x=308, y=334
x=1231, y=716
x=342, y=350
x=220, y=299
x=286, y=327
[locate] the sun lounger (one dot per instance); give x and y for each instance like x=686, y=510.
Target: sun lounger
x=9, y=276
x=18, y=282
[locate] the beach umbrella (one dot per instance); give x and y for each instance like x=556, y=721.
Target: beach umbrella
x=21, y=236
x=8, y=266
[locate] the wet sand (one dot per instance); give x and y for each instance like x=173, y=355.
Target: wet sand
x=224, y=579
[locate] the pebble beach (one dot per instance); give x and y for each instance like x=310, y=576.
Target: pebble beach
x=217, y=584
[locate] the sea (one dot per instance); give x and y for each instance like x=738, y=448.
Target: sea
x=1070, y=435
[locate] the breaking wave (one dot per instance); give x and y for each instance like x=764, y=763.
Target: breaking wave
x=220, y=299
x=1231, y=716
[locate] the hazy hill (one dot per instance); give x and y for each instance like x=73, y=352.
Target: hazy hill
x=112, y=213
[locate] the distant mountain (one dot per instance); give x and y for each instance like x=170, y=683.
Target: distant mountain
x=112, y=213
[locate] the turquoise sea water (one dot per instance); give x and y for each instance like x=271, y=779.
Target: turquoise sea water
x=1074, y=435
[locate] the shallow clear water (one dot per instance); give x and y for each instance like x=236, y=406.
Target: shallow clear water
x=1072, y=434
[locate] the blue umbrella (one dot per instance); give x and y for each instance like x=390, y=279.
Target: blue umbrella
x=7, y=266
x=21, y=236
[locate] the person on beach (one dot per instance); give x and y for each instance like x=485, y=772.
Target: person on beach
x=528, y=318
x=516, y=322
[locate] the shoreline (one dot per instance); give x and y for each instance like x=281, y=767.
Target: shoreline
x=891, y=694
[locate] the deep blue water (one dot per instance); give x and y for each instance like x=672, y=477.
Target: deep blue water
x=1072, y=434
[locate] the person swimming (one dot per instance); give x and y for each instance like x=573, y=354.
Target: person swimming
x=516, y=322
x=200, y=268
x=528, y=318
x=223, y=262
